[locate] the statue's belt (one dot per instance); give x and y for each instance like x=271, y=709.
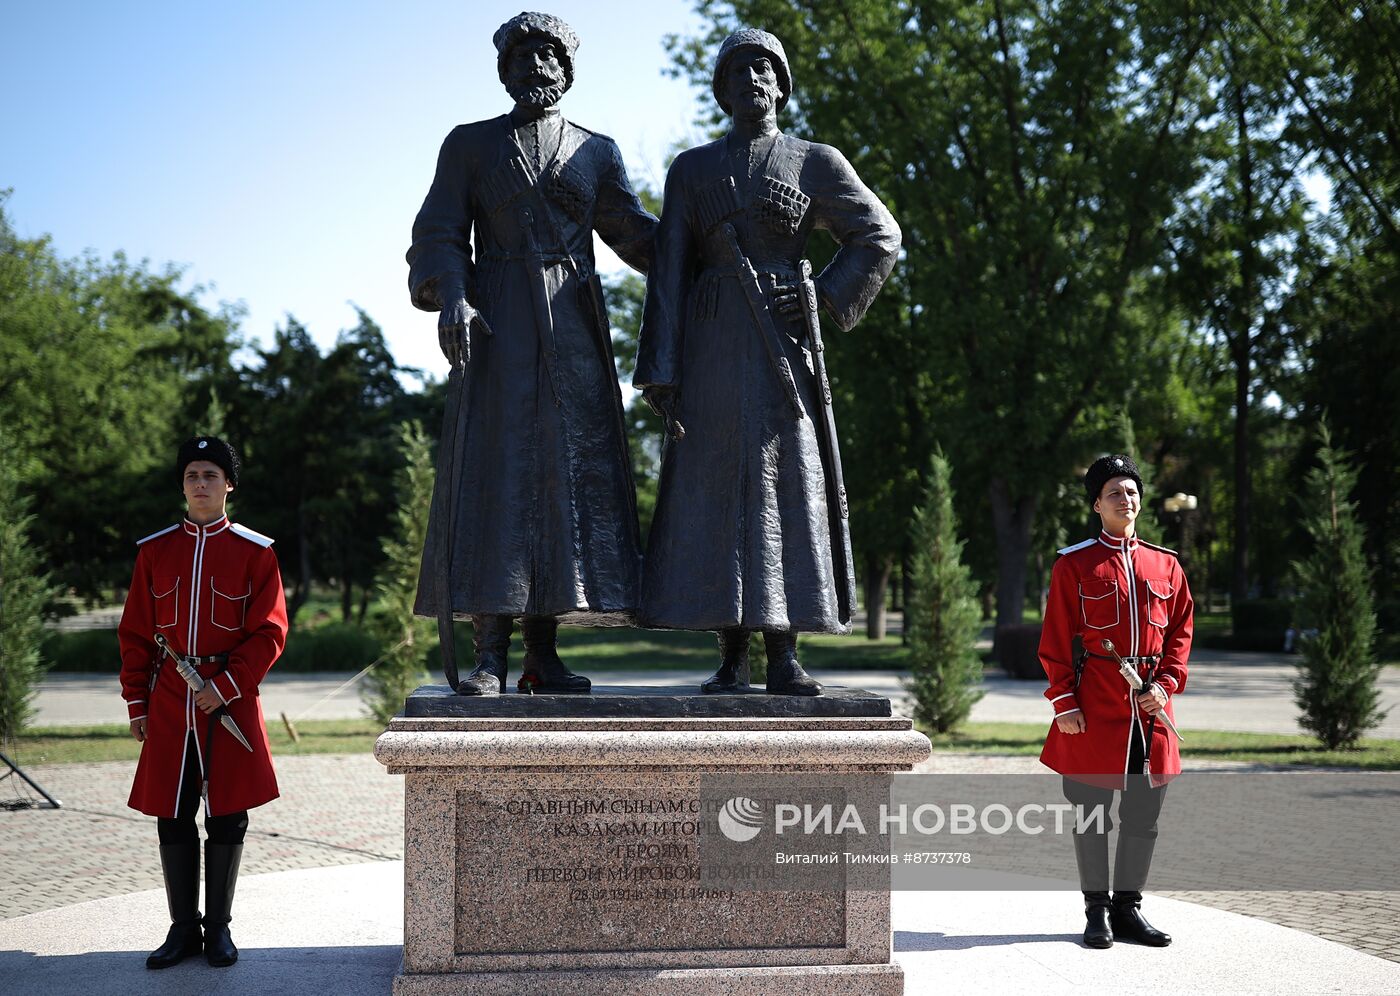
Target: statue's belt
x=579, y=263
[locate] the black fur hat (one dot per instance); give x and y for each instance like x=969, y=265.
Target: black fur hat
x=210, y=448
x=1104, y=469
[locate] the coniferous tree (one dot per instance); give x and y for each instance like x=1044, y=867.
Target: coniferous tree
x=942, y=616
x=24, y=589
x=1336, y=684
x=404, y=635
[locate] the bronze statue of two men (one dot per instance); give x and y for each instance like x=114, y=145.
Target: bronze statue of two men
x=534, y=507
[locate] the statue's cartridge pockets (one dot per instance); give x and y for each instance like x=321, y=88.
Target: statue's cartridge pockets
x=572, y=189
x=716, y=202
x=781, y=205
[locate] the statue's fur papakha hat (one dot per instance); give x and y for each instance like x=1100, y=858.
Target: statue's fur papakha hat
x=1105, y=469
x=528, y=23
x=210, y=448
x=752, y=38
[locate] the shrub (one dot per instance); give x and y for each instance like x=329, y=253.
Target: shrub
x=942, y=618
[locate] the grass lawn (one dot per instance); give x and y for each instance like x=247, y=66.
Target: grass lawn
x=67, y=744
x=1267, y=748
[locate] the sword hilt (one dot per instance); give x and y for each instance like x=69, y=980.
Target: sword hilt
x=1130, y=674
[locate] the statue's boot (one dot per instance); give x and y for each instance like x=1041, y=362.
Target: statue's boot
x=1130, y=867
x=542, y=671
x=785, y=675
x=179, y=863
x=221, y=863
x=491, y=641
x=733, y=675
x=1091, y=855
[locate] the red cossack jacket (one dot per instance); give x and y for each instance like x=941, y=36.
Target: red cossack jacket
x=1134, y=594
x=209, y=589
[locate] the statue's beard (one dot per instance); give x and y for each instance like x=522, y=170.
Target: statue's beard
x=536, y=90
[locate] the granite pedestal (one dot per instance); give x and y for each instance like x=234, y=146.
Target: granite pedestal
x=550, y=843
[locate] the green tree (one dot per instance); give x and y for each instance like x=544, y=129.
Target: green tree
x=96, y=359
x=1336, y=685
x=1235, y=247
x=942, y=616
x=408, y=637
x=324, y=489
x=24, y=590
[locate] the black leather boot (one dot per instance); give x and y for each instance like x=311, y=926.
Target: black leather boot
x=1098, y=933
x=179, y=864
x=733, y=676
x=1130, y=867
x=220, y=876
x=491, y=641
x=542, y=671
x=785, y=675
x=1091, y=857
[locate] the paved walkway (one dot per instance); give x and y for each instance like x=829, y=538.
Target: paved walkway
x=339, y=930
x=1226, y=691
x=345, y=810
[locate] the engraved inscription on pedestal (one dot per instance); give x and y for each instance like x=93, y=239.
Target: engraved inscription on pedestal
x=613, y=866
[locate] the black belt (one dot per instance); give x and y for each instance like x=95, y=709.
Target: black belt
x=207, y=659
x=1151, y=660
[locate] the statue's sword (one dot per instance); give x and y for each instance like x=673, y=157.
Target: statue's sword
x=763, y=319
x=187, y=671
x=1134, y=679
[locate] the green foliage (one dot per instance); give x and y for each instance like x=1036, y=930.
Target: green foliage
x=404, y=635
x=1336, y=685
x=333, y=647
x=82, y=651
x=24, y=590
x=1260, y=623
x=97, y=361
x=626, y=296
x=942, y=618
x=324, y=489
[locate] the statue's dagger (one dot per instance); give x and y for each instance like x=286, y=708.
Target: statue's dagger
x=1135, y=680
x=187, y=671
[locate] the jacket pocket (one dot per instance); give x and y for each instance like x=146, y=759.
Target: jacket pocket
x=165, y=595
x=228, y=611
x=1098, y=602
x=1159, y=592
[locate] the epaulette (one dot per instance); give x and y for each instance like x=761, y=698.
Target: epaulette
x=251, y=535
x=158, y=532
x=1077, y=546
x=1161, y=549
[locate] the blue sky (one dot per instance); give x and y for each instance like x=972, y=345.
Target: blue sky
x=279, y=151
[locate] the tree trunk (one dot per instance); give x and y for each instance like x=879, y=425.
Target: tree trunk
x=1240, y=347
x=1012, y=519
x=877, y=583
x=364, y=605
x=1239, y=561
x=303, y=585
x=906, y=571
x=347, y=591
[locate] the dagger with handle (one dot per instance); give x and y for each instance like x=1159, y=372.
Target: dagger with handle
x=187, y=671
x=1134, y=679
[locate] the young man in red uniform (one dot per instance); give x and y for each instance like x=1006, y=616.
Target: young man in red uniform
x=212, y=590
x=1105, y=737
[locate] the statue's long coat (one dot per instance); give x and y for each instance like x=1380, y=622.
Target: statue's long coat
x=545, y=517
x=744, y=529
